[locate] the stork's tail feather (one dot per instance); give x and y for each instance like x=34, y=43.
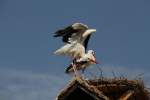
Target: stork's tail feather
x=69, y=69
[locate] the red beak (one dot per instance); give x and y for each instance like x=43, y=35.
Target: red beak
x=94, y=61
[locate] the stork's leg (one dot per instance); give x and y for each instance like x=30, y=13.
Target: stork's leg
x=74, y=60
x=83, y=73
x=74, y=69
x=74, y=66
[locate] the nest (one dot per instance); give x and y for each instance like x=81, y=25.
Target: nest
x=107, y=89
x=121, y=88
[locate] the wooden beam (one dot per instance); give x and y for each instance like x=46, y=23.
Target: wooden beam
x=126, y=95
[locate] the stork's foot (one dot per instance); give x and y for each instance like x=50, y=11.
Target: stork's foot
x=76, y=71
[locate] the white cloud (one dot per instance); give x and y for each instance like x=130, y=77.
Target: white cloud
x=28, y=85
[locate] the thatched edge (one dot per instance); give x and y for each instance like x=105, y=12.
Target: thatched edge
x=96, y=87
x=82, y=84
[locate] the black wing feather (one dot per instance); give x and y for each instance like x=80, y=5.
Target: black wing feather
x=62, y=32
x=86, y=41
x=65, y=33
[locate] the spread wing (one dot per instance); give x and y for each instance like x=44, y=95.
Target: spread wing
x=65, y=33
x=72, y=32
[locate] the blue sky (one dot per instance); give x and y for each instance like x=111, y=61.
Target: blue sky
x=28, y=68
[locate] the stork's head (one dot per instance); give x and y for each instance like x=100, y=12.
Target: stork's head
x=91, y=57
x=91, y=52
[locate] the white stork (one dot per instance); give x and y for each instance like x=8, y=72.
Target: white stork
x=76, y=37
x=83, y=62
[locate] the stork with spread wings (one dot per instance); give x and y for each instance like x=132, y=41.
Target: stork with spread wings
x=76, y=38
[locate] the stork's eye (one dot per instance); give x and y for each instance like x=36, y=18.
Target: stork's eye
x=93, y=53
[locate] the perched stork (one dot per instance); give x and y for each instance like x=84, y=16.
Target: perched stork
x=83, y=62
x=76, y=37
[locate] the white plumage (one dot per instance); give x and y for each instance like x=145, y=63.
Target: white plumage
x=76, y=40
x=82, y=63
x=76, y=37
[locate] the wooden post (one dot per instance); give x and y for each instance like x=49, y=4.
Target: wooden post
x=126, y=95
